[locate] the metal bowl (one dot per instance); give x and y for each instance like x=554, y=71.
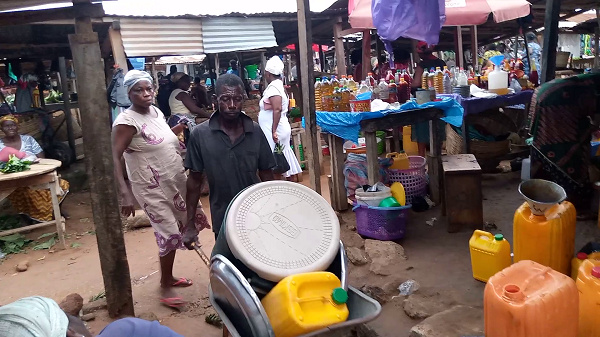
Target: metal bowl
x=541, y=194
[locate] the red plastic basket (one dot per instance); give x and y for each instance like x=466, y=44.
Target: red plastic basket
x=414, y=179
x=381, y=223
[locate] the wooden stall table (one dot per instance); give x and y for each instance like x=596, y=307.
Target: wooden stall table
x=369, y=127
x=476, y=105
x=42, y=175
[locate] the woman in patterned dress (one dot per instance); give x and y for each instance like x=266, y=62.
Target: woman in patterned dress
x=155, y=170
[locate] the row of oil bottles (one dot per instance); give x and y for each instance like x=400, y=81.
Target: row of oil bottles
x=443, y=81
x=534, y=296
x=336, y=94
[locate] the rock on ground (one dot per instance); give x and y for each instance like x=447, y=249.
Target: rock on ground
x=357, y=256
x=88, y=317
x=140, y=220
x=364, y=330
x=22, y=266
x=426, y=302
x=375, y=293
x=386, y=256
x=353, y=240
x=457, y=321
x=94, y=306
x=72, y=304
x=149, y=316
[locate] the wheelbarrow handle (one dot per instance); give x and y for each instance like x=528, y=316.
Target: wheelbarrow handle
x=201, y=253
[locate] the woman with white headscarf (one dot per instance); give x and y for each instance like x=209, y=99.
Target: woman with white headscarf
x=273, y=118
x=155, y=170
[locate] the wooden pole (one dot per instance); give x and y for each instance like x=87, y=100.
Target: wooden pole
x=154, y=72
x=118, y=51
x=217, y=69
x=474, y=45
x=366, y=57
x=62, y=67
x=550, y=41
x=97, y=145
x=597, y=50
x=340, y=55
x=308, y=93
x=459, y=41
x=321, y=58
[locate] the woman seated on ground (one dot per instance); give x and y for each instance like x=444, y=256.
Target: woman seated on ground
x=41, y=316
x=37, y=204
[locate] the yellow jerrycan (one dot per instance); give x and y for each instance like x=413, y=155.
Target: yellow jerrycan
x=401, y=161
x=302, y=303
x=588, y=284
x=489, y=254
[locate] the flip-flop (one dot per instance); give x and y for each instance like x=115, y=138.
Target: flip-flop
x=173, y=302
x=183, y=282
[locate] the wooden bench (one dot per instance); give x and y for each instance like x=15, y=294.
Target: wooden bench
x=463, y=199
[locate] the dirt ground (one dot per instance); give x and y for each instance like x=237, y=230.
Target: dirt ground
x=437, y=260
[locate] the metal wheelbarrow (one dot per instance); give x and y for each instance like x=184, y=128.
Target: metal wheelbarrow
x=240, y=309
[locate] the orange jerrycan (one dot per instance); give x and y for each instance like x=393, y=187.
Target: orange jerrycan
x=302, y=303
x=544, y=226
x=489, y=254
x=528, y=299
x=411, y=148
x=576, y=262
x=588, y=284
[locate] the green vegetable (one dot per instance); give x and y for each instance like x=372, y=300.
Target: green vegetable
x=13, y=244
x=14, y=164
x=278, y=148
x=46, y=245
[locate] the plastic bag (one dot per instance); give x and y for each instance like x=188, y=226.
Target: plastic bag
x=416, y=19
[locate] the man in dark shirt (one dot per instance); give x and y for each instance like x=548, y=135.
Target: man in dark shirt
x=231, y=150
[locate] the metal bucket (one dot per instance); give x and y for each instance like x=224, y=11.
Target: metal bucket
x=541, y=194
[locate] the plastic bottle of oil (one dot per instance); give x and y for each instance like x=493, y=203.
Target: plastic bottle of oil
x=346, y=95
x=352, y=85
x=431, y=79
x=318, y=97
x=335, y=82
x=425, y=79
x=337, y=99
x=326, y=95
x=438, y=81
x=343, y=81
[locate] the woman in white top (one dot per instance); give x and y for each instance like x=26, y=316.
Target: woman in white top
x=180, y=101
x=273, y=118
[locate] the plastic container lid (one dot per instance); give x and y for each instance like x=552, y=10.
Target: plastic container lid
x=279, y=228
x=499, y=237
x=596, y=272
x=339, y=296
x=582, y=256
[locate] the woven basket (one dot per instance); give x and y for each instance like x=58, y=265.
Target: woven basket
x=413, y=179
x=30, y=125
x=481, y=149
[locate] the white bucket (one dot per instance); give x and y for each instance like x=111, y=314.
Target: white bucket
x=371, y=198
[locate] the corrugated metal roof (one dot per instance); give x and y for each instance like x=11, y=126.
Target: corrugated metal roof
x=160, y=37
x=190, y=59
x=227, y=34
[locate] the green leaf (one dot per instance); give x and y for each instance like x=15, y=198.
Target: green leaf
x=45, y=245
x=12, y=237
x=47, y=235
x=75, y=245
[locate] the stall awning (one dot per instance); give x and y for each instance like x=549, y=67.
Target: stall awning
x=229, y=34
x=159, y=37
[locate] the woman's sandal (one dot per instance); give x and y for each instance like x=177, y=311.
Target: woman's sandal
x=173, y=302
x=183, y=282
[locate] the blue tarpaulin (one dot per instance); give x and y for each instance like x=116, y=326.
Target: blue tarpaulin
x=346, y=125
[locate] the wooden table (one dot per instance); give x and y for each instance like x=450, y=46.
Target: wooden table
x=339, y=198
x=42, y=175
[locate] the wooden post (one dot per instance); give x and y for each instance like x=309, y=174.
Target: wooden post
x=62, y=67
x=97, y=144
x=435, y=161
x=459, y=53
x=474, y=48
x=321, y=58
x=339, y=48
x=116, y=44
x=597, y=50
x=372, y=158
x=339, y=197
x=366, y=57
x=308, y=93
x=548, y=63
x=154, y=73
x=217, y=65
